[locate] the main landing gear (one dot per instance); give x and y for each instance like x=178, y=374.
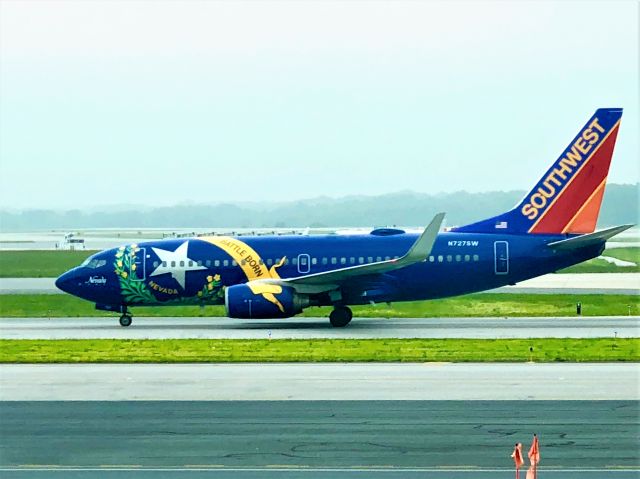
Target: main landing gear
x=340, y=316
x=125, y=319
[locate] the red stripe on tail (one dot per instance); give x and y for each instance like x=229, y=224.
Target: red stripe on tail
x=568, y=206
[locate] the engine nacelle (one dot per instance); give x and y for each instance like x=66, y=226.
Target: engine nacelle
x=263, y=301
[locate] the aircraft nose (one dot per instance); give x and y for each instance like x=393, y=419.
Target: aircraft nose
x=66, y=281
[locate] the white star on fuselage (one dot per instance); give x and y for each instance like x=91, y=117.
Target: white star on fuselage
x=175, y=262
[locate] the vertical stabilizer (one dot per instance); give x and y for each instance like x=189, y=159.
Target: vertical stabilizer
x=567, y=198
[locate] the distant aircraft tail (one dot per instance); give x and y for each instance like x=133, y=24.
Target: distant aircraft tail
x=568, y=196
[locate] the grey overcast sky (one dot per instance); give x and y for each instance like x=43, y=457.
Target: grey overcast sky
x=157, y=103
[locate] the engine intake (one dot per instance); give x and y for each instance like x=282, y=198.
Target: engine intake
x=270, y=301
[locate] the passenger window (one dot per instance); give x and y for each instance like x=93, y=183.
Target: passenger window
x=476, y=257
x=467, y=257
x=294, y=261
x=155, y=264
x=431, y=259
x=190, y=263
x=334, y=260
x=378, y=258
x=360, y=260
x=260, y=261
x=440, y=258
x=199, y=262
x=303, y=261
x=286, y=261
x=324, y=261
x=352, y=260
x=216, y=263
x=234, y=263
x=225, y=262
x=164, y=264
x=387, y=258
x=370, y=259
x=458, y=258
x=173, y=264
x=314, y=261
x=343, y=260
x=182, y=264
x=269, y=261
x=449, y=258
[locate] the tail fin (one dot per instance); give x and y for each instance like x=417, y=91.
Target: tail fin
x=567, y=198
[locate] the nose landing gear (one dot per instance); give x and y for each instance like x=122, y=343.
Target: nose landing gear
x=340, y=316
x=126, y=318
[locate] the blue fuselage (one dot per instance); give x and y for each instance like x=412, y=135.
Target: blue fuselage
x=154, y=273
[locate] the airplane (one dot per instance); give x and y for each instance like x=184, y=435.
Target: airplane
x=260, y=277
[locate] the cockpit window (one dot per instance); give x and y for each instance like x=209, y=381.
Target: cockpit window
x=94, y=263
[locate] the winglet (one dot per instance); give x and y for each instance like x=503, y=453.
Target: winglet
x=423, y=245
x=328, y=280
x=589, y=239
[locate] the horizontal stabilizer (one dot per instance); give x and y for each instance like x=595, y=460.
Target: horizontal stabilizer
x=588, y=239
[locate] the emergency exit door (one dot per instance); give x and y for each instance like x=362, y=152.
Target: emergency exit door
x=501, y=257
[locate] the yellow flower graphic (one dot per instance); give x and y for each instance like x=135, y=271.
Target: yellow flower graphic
x=124, y=274
x=209, y=286
x=209, y=278
x=119, y=263
x=133, y=267
x=216, y=277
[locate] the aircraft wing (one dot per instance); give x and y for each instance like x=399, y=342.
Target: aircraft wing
x=588, y=239
x=329, y=280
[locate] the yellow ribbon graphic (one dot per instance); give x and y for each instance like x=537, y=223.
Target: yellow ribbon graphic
x=252, y=265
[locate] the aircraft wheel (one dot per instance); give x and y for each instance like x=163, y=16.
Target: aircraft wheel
x=125, y=320
x=340, y=316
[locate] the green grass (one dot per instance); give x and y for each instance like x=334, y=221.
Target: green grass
x=626, y=254
x=597, y=265
x=321, y=350
x=39, y=264
x=482, y=304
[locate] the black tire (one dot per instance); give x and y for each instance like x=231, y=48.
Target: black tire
x=125, y=320
x=340, y=316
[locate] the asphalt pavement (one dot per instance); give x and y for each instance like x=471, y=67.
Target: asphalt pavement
x=312, y=328
x=316, y=439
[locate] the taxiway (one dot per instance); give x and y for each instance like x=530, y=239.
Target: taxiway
x=312, y=328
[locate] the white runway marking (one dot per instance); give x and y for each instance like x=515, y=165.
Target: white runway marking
x=461, y=469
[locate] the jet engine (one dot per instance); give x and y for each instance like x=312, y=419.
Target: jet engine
x=263, y=301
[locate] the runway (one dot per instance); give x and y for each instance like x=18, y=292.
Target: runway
x=312, y=328
x=318, y=439
x=570, y=283
x=317, y=381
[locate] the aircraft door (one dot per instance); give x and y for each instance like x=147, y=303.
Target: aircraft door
x=137, y=262
x=304, y=263
x=501, y=257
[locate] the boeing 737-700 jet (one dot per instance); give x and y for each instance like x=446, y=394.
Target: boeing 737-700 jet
x=277, y=277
